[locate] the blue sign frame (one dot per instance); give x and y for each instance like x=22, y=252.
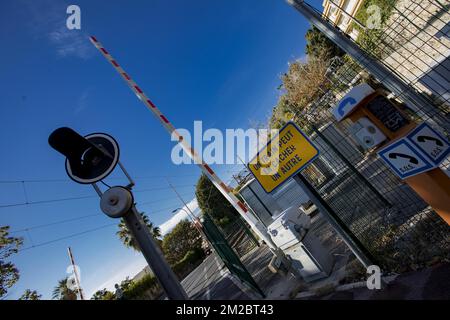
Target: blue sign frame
x=428, y=164
x=426, y=125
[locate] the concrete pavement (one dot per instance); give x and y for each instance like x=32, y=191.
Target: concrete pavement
x=429, y=284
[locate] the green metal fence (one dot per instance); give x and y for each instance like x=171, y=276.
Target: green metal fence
x=228, y=255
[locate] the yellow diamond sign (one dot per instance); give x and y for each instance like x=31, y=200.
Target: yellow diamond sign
x=284, y=155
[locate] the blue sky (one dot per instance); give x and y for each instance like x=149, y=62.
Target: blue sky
x=215, y=61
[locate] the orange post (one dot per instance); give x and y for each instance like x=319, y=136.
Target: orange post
x=434, y=187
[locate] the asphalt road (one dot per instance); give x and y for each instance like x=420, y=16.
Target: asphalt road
x=211, y=280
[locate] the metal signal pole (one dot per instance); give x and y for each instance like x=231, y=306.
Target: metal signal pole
x=118, y=202
x=92, y=158
x=75, y=273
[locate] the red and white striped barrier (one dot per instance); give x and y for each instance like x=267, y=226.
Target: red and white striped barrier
x=256, y=225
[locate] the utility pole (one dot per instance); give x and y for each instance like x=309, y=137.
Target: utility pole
x=195, y=220
x=189, y=211
x=75, y=273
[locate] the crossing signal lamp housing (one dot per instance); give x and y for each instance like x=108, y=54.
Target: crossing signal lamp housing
x=89, y=159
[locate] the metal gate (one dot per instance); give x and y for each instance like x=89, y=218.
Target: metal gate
x=240, y=237
x=227, y=254
x=396, y=226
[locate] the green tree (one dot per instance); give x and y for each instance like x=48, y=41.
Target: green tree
x=63, y=292
x=319, y=46
x=103, y=294
x=125, y=284
x=385, y=6
x=212, y=202
x=180, y=240
x=376, y=40
x=30, y=295
x=9, y=274
x=128, y=239
x=281, y=113
x=302, y=84
x=146, y=288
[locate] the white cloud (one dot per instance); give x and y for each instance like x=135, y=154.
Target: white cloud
x=179, y=216
x=47, y=21
x=82, y=102
x=129, y=270
x=136, y=266
x=71, y=43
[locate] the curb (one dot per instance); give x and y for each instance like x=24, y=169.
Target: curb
x=344, y=287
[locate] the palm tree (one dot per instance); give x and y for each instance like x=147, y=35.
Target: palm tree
x=128, y=239
x=62, y=291
x=156, y=231
x=30, y=295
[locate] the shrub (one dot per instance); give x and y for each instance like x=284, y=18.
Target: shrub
x=191, y=260
x=145, y=288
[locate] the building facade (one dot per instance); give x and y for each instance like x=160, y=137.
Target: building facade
x=340, y=12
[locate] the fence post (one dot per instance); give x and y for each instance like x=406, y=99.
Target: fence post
x=358, y=249
x=351, y=167
x=248, y=232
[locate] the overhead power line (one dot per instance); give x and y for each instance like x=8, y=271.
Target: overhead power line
x=111, y=178
x=44, y=201
x=163, y=209
x=90, y=216
x=55, y=223
x=80, y=197
x=67, y=237
x=163, y=188
x=160, y=200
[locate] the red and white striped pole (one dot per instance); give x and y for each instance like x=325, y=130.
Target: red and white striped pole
x=256, y=225
x=75, y=273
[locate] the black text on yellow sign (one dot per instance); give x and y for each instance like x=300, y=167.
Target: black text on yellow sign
x=283, y=156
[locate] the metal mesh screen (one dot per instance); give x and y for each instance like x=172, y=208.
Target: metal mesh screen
x=239, y=236
x=400, y=230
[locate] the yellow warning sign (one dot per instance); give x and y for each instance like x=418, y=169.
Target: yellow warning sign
x=284, y=155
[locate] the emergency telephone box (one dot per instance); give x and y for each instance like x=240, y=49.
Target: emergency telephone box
x=376, y=120
x=413, y=151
